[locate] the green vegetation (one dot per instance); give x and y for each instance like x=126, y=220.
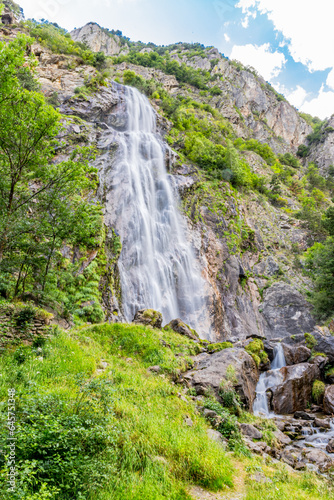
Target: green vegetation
x=94, y=423
x=318, y=391
x=319, y=262
x=182, y=72
x=219, y=346
x=58, y=40
x=310, y=340
x=84, y=432
x=256, y=349
x=43, y=204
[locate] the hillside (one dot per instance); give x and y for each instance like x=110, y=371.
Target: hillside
x=166, y=225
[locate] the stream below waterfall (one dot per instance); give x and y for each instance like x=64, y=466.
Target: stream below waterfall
x=311, y=436
x=157, y=266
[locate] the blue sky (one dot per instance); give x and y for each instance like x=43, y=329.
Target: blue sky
x=289, y=42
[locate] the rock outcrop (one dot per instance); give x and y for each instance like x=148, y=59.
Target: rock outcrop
x=180, y=327
x=148, y=317
x=329, y=400
x=322, y=151
x=99, y=39
x=285, y=311
x=295, y=389
x=231, y=363
x=296, y=354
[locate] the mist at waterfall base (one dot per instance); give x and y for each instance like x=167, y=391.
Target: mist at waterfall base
x=157, y=266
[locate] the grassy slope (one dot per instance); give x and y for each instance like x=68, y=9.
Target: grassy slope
x=117, y=431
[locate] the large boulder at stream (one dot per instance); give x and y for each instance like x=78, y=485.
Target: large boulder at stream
x=329, y=400
x=296, y=354
x=285, y=311
x=233, y=363
x=295, y=388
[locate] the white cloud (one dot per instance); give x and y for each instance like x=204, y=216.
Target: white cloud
x=268, y=64
x=245, y=22
x=297, y=97
x=330, y=79
x=306, y=25
x=227, y=38
x=321, y=106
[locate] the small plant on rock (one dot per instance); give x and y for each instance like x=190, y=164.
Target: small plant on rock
x=318, y=391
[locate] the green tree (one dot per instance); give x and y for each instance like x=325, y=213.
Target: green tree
x=43, y=201
x=319, y=261
x=329, y=221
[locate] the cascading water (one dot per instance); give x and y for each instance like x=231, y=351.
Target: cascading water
x=269, y=379
x=157, y=266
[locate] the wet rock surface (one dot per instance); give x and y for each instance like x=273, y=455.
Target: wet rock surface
x=329, y=400
x=295, y=389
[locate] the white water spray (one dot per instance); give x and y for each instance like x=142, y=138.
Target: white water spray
x=267, y=380
x=157, y=266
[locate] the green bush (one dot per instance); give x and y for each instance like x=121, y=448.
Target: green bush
x=318, y=391
x=256, y=349
x=219, y=346
x=310, y=340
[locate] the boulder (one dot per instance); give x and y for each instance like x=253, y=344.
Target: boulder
x=212, y=369
x=296, y=354
x=285, y=311
x=182, y=328
x=330, y=446
x=329, y=400
x=258, y=447
x=287, y=457
x=295, y=389
x=319, y=458
x=217, y=437
x=325, y=344
x=303, y=415
x=282, y=438
x=250, y=431
x=323, y=423
x=148, y=317
x=320, y=360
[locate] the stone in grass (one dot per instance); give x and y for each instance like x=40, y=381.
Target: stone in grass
x=250, y=431
x=182, y=328
x=217, y=437
x=148, y=317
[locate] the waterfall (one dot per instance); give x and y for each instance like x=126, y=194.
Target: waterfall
x=157, y=267
x=269, y=379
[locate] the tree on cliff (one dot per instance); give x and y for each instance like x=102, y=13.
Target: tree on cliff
x=42, y=202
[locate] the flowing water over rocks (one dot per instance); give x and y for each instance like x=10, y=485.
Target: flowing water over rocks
x=157, y=267
x=269, y=380
x=312, y=435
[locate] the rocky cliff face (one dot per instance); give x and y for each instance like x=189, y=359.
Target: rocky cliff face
x=254, y=283
x=99, y=40
x=322, y=152
x=247, y=100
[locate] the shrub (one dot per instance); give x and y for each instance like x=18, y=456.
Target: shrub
x=310, y=340
x=318, y=391
x=256, y=350
x=219, y=346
